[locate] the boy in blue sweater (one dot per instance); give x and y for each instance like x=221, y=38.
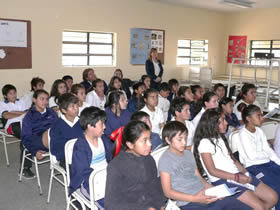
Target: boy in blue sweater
x=90, y=152
x=66, y=127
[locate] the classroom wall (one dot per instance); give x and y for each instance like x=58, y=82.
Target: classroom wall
x=256, y=25
x=50, y=17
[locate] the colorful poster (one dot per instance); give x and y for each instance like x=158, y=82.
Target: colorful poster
x=236, y=48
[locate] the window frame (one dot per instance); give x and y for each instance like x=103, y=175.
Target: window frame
x=88, y=44
x=190, y=48
x=270, y=48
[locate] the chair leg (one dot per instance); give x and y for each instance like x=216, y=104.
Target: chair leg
x=50, y=185
x=65, y=187
x=38, y=176
x=6, y=151
x=22, y=165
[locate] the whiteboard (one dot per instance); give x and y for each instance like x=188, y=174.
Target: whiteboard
x=13, y=33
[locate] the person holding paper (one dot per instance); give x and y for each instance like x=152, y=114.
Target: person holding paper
x=213, y=155
x=180, y=178
x=154, y=68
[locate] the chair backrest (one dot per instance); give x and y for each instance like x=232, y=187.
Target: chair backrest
x=205, y=77
x=157, y=154
x=52, y=157
x=233, y=141
x=68, y=150
x=269, y=129
x=97, y=188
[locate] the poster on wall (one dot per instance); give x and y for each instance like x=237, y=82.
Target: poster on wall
x=142, y=40
x=236, y=48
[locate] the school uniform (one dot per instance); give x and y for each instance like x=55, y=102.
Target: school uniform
x=114, y=122
x=232, y=120
x=81, y=163
x=85, y=105
x=62, y=131
x=132, y=104
x=277, y=141
x=27, y=99
x=6, y=106
x=191, y=131
x=88, y=84
x=192, y=110
x=156, y=118
x=238, y=113
x=164, y=105
x=196, y=119
x=92, y=99
x=34, y=124
x=156, y=140
x=53, y=102
x=259, y=159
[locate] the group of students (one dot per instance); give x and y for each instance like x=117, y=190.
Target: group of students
x=120, y=129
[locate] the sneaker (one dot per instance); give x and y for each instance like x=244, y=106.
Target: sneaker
x=28, y=174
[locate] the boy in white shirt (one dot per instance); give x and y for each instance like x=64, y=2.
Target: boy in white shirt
x=36, y=84
x=163, y=102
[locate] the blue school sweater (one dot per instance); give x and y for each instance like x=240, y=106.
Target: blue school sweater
x=131, y=106
x=113, y=122
x=34, y=124
x=60, y=133
x=232, y=120
x=80, y=167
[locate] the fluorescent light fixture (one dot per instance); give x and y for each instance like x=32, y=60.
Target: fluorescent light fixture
x=238, y=3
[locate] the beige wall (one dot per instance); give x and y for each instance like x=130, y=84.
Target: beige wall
x=50, y=17
x=256, y=25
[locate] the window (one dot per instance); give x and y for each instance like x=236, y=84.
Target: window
x=265, y=46
x=192, y=52
x=87, y=49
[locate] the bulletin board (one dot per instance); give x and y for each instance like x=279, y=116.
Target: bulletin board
x=236, y=48
x=141, y=42
x=15, y=44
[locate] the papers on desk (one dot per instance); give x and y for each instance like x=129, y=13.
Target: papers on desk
x=271, y=113
x=221, y=191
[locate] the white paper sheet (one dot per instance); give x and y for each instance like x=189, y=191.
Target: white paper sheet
x=13, y=34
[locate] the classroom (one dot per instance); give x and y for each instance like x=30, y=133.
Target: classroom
x=211, y=25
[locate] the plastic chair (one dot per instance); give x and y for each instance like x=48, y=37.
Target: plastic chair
x=233, y=141
x=7, y=139
x=269, y=129
x=56, y=170
x=97, y=178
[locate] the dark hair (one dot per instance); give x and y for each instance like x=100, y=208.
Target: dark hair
x=177, y=104
x=148, y=92
x=182, y=90
x=143, y=77
x=66, y=99
x=224, y=101
x=76, y=87
x=114, y=98
x=208, y=127
x=241, y=107
x=194, y=88
x=244, y=90
x=216, y=86
x=171, y=129
x=6, y=88
x=66, y=77
x=119, y=71
x=207, y=97
x=85, y=73
x=35, y=81
x=138, y=115
x=39, y=92
x=94, y=85
x=248, y=111
x=164, y=87
x=137, y=85
x=132, y=131
x=172, y=82
x=54, y=90
x=90, y=116
x=111, y=84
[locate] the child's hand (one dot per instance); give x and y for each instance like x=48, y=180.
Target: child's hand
x=39, y=154
x=200, y=197
x=243, y=179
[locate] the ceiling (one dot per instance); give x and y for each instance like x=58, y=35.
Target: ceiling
x=214, y=5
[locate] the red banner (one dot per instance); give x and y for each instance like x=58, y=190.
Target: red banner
x=236, y=48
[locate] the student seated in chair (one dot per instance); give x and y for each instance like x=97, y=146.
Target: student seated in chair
x=66, y=127
x=89, y=152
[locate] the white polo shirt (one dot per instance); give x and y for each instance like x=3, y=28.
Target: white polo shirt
x=92, y=99
x=156, y=118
